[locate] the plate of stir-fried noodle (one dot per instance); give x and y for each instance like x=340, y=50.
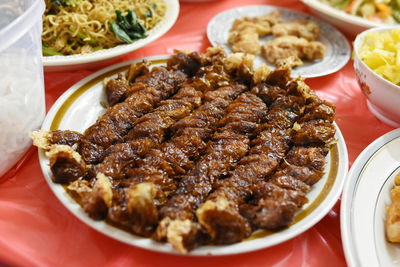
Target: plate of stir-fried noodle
x=80, y=33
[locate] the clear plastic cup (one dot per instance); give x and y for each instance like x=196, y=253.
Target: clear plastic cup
x=22, y=102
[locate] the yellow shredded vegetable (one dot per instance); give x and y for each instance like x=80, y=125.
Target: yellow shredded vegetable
x=381, y=52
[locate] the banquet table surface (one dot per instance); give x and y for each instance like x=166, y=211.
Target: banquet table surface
x=37, y=230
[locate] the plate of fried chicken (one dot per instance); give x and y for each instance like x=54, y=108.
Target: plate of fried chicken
x=281, y=37
x=192, y=153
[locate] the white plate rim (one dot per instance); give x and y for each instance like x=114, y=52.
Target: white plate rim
x=171, y=15
x=345, y=54
x=348, y=18
x=311, y=219
x=353, y=178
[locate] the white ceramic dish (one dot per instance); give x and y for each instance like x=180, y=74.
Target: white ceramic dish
x=363, y=208
x=80, y=106
x=337, y=47
x=102, y=57
x=383, y=97
x=349, y=24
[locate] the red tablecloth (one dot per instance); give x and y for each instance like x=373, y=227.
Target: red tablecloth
x=36, y=230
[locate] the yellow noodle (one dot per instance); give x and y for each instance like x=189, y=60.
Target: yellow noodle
x=61, y=25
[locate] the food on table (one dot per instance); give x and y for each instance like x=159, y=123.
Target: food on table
x=385, y=11
x=290, y=51
x=292, y=43
x=245, y=32
x=306, y=29
x=204, y=150
x=381, y=52
x=393, y=213
x=83, y=26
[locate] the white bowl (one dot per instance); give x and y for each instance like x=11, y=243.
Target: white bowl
x=347, y=23
x=383, y=96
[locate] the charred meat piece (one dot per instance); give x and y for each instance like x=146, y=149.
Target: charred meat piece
x=313, y=157
x=222, y=152
x=45, y=139
x=319, y=109
x=231, y=192
x=189, y=63
x=137, y=69
x=305, y=174
x=116, y=89
x=315, y=132
x=118, y=120
x=302, y=168
x=268, y=149
x=175, y=156
x=148, y=132
x=268, y=93
x=272, y=206
x=66, y=164
x=289, y=182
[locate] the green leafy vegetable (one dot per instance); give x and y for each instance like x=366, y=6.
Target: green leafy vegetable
x=128, y=28
x=343, y=4
x=71, y=3
x=83, y=37
x=47, y=51
x=394, y=5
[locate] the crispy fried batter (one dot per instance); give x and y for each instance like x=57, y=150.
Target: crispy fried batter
x=66, y=164
x=245, y=32
x=289, y=51
x=306, y=29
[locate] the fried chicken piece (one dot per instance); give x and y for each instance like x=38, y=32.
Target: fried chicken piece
x=245, y=41
x=289, y=51
x=393, y=213
x=245, y=32
x=306, y=29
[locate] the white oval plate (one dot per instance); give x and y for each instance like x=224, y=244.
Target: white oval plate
x=80, y=106
x=363, y=208
x=348, y=23
x=72, y=62
x=337, y=47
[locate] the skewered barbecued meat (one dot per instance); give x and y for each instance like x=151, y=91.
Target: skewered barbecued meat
x=148, y=132
x=158, y=84
x=196, y=152
x=262, y=160
x=176, y=155
x=222, y=140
